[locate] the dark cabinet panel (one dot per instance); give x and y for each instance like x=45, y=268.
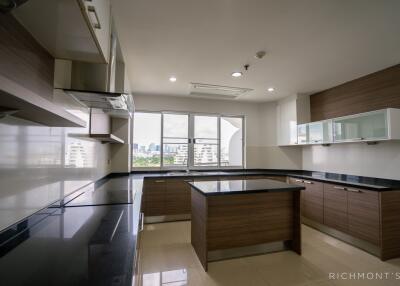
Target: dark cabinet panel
x=154, y=197
x=335, y=207
x=313, y=200
x=364, y=213
x=177, y=196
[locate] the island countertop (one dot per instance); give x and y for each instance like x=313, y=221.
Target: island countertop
x=229, y=187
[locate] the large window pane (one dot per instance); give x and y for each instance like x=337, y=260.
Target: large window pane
x=205, y=127
x=205, y=155
x=205, y=141
x=147, y=139
x=175, y=140
x=231, y=141
x=176, y=125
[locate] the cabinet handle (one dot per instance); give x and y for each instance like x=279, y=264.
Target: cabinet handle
x=160, y=181
x=340, y=188
x=308, y=182
x=353, y=190
x=187, y=180
x=92, y=9
x=141, y=222
x=298, y=181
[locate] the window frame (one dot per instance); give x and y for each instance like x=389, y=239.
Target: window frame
x=190, y=164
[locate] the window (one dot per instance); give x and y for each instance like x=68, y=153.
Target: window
x=231, y=141
x=147, y=140
x=205, y=140
x=175, y=140
x=182, y=140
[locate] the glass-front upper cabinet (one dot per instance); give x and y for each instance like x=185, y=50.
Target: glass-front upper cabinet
x=302, y=134
x=361, y=127
x=320, y=132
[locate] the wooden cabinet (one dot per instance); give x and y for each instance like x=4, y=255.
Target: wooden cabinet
x=335, y=207
x=177, y=196
x=364, y=214
x=313, y=200
x=154, y=197
x=166, y=197
x=75, y=30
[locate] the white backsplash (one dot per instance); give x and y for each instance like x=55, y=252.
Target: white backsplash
x=381, y=160
x=39, y=165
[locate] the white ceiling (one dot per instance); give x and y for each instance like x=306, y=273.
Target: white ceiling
x=311, y=45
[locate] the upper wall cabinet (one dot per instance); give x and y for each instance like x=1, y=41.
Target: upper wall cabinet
x=303, y=134
x=370, y=126
x=291, y=111
x=364, y=127
x=320, y=132
x=70, y=29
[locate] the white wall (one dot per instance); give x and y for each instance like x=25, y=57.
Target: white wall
x=261, y=150
x=40, y=164
x=381, y=160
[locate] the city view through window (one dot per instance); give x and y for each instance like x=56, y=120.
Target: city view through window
x=183, y=140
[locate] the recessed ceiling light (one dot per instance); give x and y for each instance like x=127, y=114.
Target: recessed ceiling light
x=271, y=89
x=172, y=79
x=237, y=74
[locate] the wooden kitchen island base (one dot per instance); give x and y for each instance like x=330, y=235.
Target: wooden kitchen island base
x=234, y=224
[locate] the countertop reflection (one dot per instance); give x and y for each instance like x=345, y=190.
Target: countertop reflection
x=92, y=245
x=242, y=186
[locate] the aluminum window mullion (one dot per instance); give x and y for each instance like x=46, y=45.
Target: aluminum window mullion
x=162, y=142
x=219, y=141
x=191, y=144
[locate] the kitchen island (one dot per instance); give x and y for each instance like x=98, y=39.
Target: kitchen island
x=244, y=217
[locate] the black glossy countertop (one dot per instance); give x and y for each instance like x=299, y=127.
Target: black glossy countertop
x=90, y=240
x=371, y=183
x=120, y=190
x=226, y=187
x=92, y=245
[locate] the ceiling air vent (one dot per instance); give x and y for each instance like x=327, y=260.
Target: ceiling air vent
x=216, y=91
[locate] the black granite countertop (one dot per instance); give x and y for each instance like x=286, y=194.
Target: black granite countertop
x=89, y=240
x=371, y=183
x=226, y=187
x=120, y=190
x=92, y=245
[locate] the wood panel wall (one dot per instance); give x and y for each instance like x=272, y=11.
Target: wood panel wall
x=378, y=90
x=23, y=60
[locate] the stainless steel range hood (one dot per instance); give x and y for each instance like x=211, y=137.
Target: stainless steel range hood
x=100, y=86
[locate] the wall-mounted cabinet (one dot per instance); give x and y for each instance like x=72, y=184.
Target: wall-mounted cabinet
x=320, y=132
x=291, y=111
x=100, y=127
x=303, y=136
x=371, y=126
x=21, y=102
x=70, y=29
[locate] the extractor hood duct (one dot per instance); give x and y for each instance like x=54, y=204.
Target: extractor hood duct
x=100, y=86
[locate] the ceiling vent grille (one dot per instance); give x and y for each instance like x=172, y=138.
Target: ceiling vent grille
x=216, y=91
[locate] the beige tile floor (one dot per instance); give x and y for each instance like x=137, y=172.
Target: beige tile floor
x=168, y=259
